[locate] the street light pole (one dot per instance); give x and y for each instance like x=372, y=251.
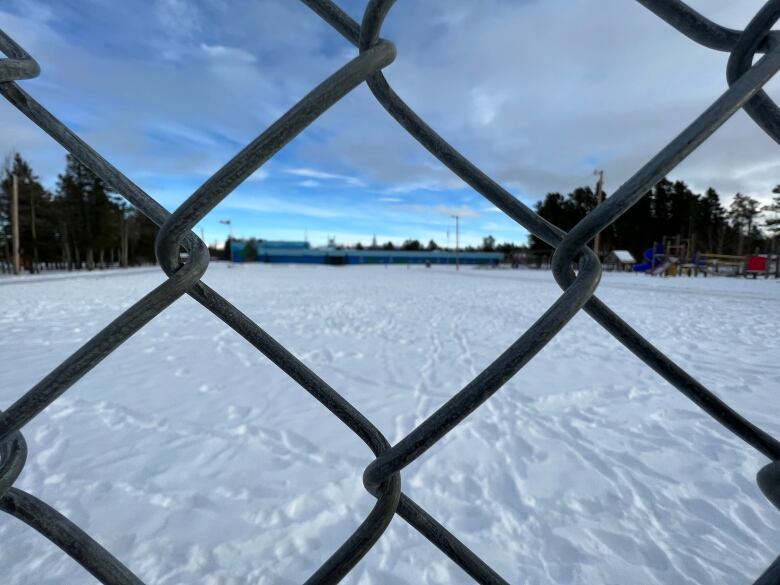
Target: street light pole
x=457, y=241
x=15, y=221
x=230, y=235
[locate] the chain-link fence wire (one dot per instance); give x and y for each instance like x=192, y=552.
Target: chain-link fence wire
x=576, y=268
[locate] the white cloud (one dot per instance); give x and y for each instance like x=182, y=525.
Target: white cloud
x=222, y=52
x=537, y=94
x=325, y=176
x=462, y=211
x=268, y=204
x=178, y=17
x=486, y=106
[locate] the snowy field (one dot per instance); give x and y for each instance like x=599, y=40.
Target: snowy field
x=194, y=460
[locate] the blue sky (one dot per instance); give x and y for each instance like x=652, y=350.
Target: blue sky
x=538, y=94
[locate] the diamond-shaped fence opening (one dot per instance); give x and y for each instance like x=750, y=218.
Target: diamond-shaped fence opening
x=576, y=270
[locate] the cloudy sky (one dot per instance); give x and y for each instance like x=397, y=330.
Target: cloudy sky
x=538, y=93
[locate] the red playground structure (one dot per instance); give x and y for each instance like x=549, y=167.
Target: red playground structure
x=756, y=265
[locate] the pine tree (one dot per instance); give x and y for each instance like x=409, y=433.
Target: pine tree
x=36, y=237
x=772, y=222
x=743, y=212
x=773, y=226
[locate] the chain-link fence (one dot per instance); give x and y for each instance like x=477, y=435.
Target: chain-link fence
x=576, y=268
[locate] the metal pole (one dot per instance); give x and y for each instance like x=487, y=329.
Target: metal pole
x=229, y=223
x=599, y=200
x=15, y=221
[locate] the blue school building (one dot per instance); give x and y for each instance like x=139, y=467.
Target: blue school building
x=303, y=253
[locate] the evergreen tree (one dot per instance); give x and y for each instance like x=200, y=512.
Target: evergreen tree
x=743, y=212
x=94, y=223
x=668, y=210
x=772, y=222
x=37, y=238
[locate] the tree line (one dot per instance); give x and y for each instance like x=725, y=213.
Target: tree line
x=672, y=209
x=81, y=224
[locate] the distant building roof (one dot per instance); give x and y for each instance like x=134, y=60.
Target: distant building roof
x=622, y=256
x=283, y=245
x=432, y=254
x=281, y=248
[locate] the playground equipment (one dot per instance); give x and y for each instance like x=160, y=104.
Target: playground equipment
x=765, y=265
x=656, y=260
x=674, y=256
x=671, y=257
x=723, y=264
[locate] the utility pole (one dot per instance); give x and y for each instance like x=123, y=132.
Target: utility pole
x=15, y=221
x=599, y=200
x=457, y=241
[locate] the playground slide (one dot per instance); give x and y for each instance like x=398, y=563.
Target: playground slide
x=642, y=267
x=661, y=268
x=655, y=258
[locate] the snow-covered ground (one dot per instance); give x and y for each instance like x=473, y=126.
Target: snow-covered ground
x=194, y=460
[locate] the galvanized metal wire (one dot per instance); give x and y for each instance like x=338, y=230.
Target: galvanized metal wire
x=577, y=271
